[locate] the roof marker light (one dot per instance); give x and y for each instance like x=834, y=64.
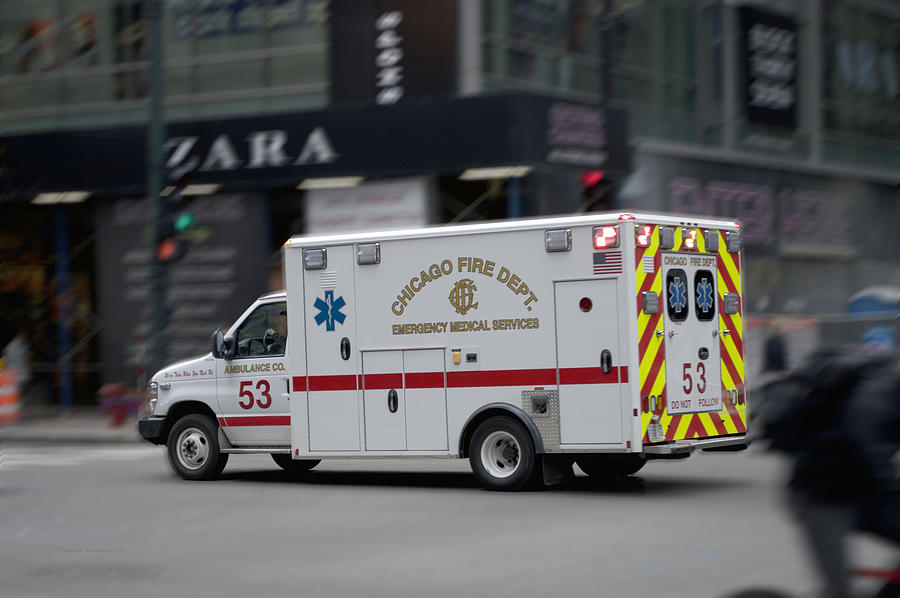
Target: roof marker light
x=626, y=217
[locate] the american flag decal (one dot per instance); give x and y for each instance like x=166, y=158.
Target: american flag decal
x=608, y=262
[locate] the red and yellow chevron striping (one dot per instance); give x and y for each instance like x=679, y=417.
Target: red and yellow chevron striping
x=731, y=419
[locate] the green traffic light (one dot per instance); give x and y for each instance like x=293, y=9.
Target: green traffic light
x=185, y=221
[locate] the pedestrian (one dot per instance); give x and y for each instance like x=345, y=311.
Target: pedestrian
x=839, y=420
x=15, y=355
x=775, y=354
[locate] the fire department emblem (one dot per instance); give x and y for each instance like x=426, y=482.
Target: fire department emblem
x=462, y=297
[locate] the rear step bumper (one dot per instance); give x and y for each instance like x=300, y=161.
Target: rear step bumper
x=684, y=448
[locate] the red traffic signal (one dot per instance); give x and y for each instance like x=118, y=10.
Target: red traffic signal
x=591, y=177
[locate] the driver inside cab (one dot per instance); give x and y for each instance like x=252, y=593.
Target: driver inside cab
x=264, y=333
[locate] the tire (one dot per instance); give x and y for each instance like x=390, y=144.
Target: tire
x=193, y=448
x=501, y=454
x=288, y=464
x=611, y=467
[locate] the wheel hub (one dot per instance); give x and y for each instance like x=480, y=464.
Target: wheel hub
x=500, y=454
x=193, y=448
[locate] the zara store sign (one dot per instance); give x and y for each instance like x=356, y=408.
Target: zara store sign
x=259, y=149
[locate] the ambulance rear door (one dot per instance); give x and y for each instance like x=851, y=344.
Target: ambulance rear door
x=693, y=370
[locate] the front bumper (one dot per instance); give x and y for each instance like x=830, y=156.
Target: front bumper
x=152, y=429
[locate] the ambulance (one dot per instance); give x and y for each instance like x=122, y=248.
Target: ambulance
x=524, y=346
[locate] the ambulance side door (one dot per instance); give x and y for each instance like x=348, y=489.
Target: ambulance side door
x=252, y=386
x=332, y=358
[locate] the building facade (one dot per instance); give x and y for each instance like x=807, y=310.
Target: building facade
x=784, y=115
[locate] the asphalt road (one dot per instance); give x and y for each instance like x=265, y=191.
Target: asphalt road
x=113, y=521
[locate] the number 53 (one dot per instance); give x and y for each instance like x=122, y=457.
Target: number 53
x=689, y=380
x=262, y=386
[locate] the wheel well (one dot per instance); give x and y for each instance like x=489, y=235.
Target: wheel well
x=179, y=410
x=492, y=411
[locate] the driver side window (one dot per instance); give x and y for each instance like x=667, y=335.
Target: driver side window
x=264, y=332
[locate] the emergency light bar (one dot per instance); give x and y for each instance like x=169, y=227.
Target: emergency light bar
x=606, y=237
x=314, y=259
x=642, y=235
x=558, y=240
x=368, y=254
x=689, y=239
x=666, y=237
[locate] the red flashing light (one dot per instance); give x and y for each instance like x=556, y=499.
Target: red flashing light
x=643, y=234
x=606, y=237
x=591, y=177
x=626, y=217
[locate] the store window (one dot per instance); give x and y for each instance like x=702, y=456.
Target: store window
x=545, y=45
x=861, y=45
x=84, y=62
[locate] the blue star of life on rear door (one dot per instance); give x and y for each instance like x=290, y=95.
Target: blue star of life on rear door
x=329, y=310
x=704, y=296
x=677, y=295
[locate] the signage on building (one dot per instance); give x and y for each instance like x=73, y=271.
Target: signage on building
x=259, y=149
x=394, y=204
x=390, y=51
x=214, y=18
x=439, y=136
x=576, y=135
x=769, y=53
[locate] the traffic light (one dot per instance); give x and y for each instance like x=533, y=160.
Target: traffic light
x=597, y=194
x=177, y=222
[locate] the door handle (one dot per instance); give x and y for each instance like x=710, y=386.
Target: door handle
x=672, y=333
x=393, y=401
x=605, y=361
x=660, y=333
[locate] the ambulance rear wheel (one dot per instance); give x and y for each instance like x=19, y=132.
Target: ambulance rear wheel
x=288, y=464
x=501, y=454
x=193, y=448
x=611, y=467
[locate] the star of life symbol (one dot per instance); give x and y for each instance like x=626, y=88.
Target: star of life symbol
x=329, y=310
x=704, y=296
x=462, y=297
x=677, y=295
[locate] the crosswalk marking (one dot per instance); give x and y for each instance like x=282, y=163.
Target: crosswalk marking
x=23, y=457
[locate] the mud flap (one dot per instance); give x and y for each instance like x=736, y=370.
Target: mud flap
x=557, y=469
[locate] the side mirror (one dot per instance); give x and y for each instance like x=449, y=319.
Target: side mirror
x=217, y=342
x=221, y=347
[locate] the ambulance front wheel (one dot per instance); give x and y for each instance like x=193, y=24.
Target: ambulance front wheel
x=288, y=464
x=611, y=467
x=501, y=454
x=193, y=448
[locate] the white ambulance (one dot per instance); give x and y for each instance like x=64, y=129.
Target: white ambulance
x=524, y=346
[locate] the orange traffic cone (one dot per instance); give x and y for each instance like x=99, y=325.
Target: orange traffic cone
x=9, y=397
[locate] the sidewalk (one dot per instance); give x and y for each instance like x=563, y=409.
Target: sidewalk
x=79, y=426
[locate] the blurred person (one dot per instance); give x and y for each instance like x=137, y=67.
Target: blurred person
x=16, y=357
x=775, y=353
x=838, y=418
